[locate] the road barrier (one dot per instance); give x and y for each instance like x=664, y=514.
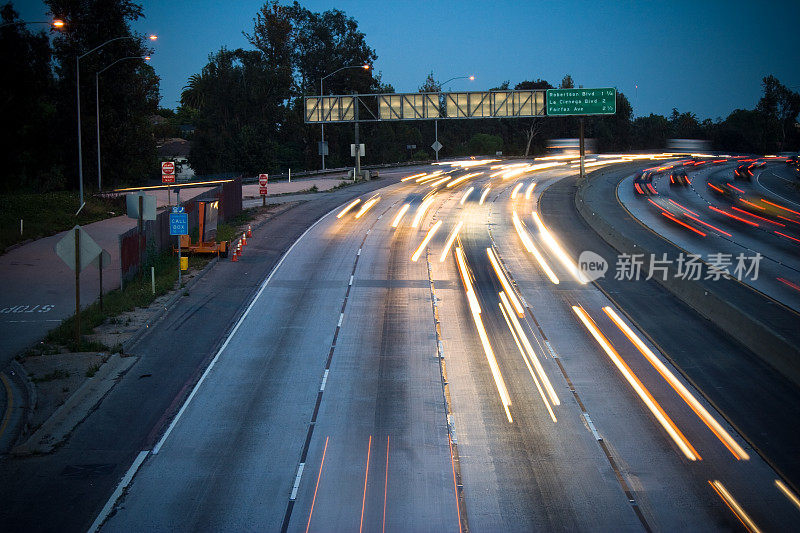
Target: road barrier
x=769, y=330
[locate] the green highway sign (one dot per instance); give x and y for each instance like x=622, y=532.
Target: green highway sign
x=581, y=101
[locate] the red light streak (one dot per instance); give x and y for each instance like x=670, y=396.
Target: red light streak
x=787, y=236
x=758, y=217
x=685, y=225
x=779, y=206
x=679, y=205
x=732, y=216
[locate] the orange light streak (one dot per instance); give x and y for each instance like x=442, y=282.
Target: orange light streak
x=716, y=428
x=647, y=398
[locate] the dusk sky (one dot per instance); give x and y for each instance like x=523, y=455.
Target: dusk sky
x=704, y=57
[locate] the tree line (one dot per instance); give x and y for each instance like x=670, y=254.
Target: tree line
x=38, y=103
x=246, y=105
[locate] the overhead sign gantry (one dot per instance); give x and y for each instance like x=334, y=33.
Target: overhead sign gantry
x=359, y=108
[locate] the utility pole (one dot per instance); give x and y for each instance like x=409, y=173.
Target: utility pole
x=583, y=152
x=358, y=146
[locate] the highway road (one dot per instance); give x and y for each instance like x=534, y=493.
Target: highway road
x=777, y=240
x=429, y=359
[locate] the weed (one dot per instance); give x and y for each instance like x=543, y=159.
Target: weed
x=92, y=370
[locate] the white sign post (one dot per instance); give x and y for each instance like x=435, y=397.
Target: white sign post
x=77, y=249
x=168, y=177
x=262, y=188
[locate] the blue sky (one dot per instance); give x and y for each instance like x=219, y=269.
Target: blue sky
x=707, y=57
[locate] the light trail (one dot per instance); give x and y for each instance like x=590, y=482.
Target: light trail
x=366, y=476
x=788, y=493
x=426, y=240
x=439, y=181
x=650, y=402
x=450, y=240
x=475, y=309
x=528, y=244
x=367, y=205
x=350, y=206
x=414, y=176
x=498, y=270
x=716, y=428
x=529, y=190
x=399, y=217
x=463, y=178
x=316, y=488
x=558, y=251
x=484, y=194
x=385, y=485
x=466, y=195
x=429, y=177
x=551, y=392
x=516, y=189
x=527, y=364
x=734, y=506
x=426, y=203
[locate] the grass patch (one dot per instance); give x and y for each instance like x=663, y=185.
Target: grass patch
x=229, y=231
x=137, y=293
x=45, y=214
x=92, y=370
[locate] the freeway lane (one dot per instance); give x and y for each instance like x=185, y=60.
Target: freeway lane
x=780, y=258
x=311, y=331
x=326, y=411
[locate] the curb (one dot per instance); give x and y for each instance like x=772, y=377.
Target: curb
x=769, y=345
x=78, y=406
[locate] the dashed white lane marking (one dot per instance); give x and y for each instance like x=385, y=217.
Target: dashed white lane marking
x=297, y=481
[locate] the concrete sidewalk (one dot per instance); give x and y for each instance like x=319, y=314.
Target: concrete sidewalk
x=37, y=290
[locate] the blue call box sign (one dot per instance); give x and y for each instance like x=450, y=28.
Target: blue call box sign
x=179, y=224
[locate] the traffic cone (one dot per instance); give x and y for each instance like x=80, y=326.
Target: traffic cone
x=244, y=240
x=249, y=231
x=235, y=256
x=239, y=247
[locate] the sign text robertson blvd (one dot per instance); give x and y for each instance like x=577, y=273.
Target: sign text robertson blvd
x=582, y=101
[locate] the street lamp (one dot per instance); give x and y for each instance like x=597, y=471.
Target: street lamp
x=78, y=95
x=365, y=66
x=97, y=105
x=436, y=121
x=55, y=23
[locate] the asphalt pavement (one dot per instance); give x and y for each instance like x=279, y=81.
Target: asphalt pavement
x=65, y=491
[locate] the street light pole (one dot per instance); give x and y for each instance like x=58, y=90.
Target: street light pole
x=78, y=96
x=436, y=121
x=321, y=94
x=97, y=110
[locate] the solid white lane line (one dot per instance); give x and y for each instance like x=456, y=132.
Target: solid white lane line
x=123, y=484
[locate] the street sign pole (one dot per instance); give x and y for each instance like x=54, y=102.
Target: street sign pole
x=78, y=289
x=358, y=146
x=436, y=134
x=583, y=152
x=141, y=229
x=178, y=203
x=100, y=268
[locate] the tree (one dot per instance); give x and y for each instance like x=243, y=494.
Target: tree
x=567, y=83
x=27, y=107
x=129, y=91
x=534, y=126
x=780, y=106
x=651, y=131
x=430, y=85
